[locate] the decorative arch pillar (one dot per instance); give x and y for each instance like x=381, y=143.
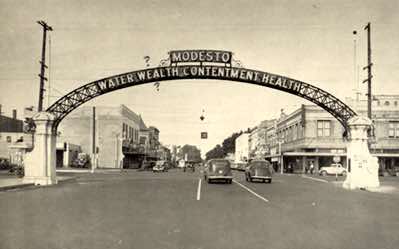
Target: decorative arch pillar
x=40, y=162
x=362, y=166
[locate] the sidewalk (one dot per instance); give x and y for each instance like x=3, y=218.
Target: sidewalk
x=80, y=170
x=388, y=184
x=12, y=182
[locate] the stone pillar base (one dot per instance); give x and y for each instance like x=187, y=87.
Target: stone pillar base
x=363, y=166
x=40, y=180
x=40, y=162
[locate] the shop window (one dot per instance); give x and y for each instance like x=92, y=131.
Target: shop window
x=323, y=128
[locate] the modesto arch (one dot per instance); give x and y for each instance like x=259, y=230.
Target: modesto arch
x=200, y=64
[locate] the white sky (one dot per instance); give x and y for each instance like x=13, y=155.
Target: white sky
x=311, y=41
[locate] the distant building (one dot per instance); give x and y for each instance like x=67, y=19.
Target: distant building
x=12, y=135
x=258, y=148
x=242, y=148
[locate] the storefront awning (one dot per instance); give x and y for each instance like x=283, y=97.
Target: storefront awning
x=312, y=154
x=293, y=153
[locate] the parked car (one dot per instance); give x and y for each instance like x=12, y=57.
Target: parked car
x=82, y=161
x=4, y=164
x=218, y=169
x=333, y=169
x=147, y=166
x=189, y=167
x=259, y=170
x=160, y=166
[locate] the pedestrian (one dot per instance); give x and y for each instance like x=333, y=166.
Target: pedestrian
x=311, y=167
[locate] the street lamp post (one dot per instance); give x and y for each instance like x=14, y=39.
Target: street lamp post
x=281, y=157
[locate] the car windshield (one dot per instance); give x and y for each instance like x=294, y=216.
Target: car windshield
x=215, y=165
x=260, y=164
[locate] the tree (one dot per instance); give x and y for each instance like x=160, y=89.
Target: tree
x=216, y=152
x=229, y=144
x=192, y=152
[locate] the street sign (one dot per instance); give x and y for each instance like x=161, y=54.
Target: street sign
x=204, y=135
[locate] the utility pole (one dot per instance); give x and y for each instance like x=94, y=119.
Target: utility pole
x=369, y=76
x=43, y=63
x=94, y=161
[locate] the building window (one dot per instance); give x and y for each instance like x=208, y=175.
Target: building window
x=393, y=129
x=386, y=103
x=395, y=103
x=124, y=130
x=323, y=128
x=295, y=132
x=9, y=139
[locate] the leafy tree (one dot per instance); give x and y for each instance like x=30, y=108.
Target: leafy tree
x=193, y=153
x=216, y=152
x=229, y=144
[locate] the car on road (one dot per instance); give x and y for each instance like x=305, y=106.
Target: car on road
x=160, y=166
x=259, y=170
x=218, y=169
x=333, y=169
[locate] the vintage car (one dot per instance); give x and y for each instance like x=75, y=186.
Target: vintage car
x=259, y=170
x=160, y=166
x=218, y=170
x=333, y=169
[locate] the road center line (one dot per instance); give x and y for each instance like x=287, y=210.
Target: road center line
x=199, y=190
x=251, y=191
x=315, y=179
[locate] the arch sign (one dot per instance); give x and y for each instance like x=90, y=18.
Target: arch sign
x=200, y=64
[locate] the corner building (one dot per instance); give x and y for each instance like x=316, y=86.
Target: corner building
x=117, y=135
x=307, y=135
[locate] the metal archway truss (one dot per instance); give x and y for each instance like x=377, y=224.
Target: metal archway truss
x=66, y=104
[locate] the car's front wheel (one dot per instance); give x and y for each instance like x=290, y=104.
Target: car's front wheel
x=323, y=173
x=344, y=173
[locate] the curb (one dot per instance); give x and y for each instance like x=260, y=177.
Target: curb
x=26, y=185
x=23, y=185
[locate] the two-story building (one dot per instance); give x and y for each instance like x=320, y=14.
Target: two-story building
x=307, y=135
x=119, y=135
x=385, y=116
x=311, y=135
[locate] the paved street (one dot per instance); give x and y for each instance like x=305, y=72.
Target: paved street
x=147, y=210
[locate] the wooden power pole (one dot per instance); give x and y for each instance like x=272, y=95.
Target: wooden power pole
x=369, y=75
x=43, y=64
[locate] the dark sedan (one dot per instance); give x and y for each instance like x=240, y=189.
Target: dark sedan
x=259, y=170
x=218, y=169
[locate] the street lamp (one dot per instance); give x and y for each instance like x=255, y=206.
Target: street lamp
x=279, y=141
